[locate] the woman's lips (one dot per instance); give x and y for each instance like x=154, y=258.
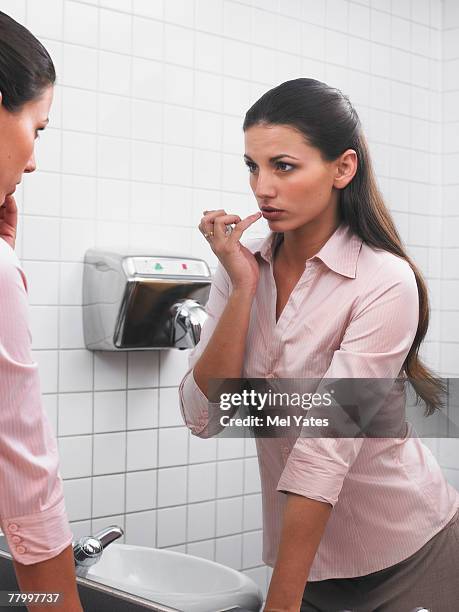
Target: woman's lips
x=271, y=215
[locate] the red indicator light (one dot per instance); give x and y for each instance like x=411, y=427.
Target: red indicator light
x=184, y=266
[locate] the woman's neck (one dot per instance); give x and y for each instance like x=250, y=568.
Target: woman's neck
x=303, y=243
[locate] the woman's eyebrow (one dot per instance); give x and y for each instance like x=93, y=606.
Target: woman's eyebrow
x=275, y=158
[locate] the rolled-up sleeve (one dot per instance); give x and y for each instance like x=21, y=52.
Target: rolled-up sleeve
x=32, y=508
x=375, y=345
x=194, y=404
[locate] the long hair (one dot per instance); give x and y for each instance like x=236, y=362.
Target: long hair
x=329, y=122
x=26, y=68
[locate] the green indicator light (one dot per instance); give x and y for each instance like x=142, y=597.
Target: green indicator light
x=158, y=266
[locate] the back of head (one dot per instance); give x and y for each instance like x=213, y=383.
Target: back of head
x=26, y=68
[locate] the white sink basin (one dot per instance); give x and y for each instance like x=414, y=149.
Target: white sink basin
x=181, y=581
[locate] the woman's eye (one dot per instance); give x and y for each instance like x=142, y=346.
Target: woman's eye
x=284, y=167
x=251, y=166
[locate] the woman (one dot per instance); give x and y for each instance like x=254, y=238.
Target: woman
x=329, y=294
x=32, y=509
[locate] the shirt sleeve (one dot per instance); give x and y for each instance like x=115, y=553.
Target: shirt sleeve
x=32, y=508
x=194, y=404
x=375, y=345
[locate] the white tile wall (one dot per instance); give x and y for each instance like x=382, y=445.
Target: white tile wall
x=145, y=134
x=141, y=490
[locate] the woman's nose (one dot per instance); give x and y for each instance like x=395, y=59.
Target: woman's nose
x=264, y=186
x=31, y=165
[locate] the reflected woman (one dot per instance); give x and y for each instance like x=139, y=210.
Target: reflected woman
x=349, y=523
x=32, y=509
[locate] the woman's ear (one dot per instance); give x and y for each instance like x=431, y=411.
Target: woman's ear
x=346, y=167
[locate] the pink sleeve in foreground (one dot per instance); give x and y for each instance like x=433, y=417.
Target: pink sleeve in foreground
x=32, y=507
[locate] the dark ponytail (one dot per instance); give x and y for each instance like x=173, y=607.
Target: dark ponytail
x=26, y=68
x=329, y=122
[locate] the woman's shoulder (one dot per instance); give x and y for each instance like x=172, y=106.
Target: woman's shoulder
x=378, y=265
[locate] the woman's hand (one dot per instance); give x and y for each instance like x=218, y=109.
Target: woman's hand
x=8, y=220
x=238, y=261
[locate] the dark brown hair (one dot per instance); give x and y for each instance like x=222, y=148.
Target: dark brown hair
x=26, y=68
x=329, y=122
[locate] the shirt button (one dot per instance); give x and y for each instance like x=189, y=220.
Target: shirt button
x=20, y=549
x=13, y=527
x=16, y=539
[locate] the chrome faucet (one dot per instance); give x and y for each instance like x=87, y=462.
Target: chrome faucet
x=88, y=550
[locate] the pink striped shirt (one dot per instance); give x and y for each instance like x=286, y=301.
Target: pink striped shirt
x=353, y=314
x=32, y=509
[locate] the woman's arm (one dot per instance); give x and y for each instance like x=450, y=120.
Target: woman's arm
x=219, y=353
x=303, y=524
x=224, y=354
x=56, y=575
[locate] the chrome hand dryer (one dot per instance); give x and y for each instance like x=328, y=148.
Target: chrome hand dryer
x=141, y=302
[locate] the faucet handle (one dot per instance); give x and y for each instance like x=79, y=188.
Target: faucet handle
x=88, y=550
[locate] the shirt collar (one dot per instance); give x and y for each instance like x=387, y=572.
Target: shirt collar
x=340, y=253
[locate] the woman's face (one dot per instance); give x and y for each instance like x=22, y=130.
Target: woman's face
x=19, y=131
x=288, y=174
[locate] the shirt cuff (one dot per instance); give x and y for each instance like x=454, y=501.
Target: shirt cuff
x=40, y=536
x=194, y=406
x=317, y=467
